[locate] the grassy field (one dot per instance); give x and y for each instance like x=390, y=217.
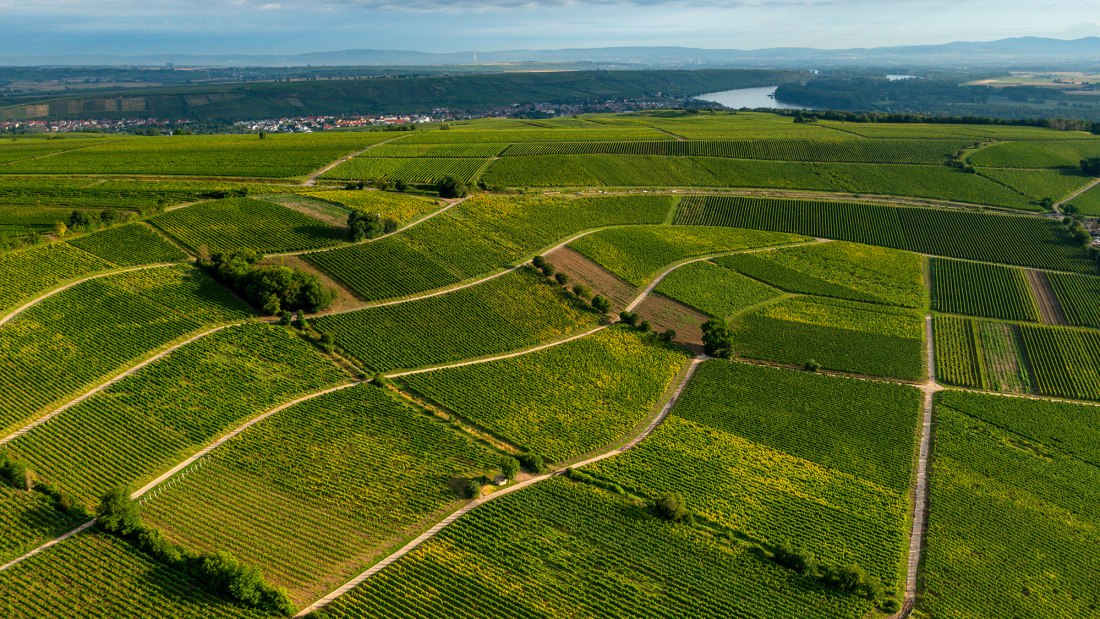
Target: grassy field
x=1010, y=520
x=376, y=471
x=615, y=376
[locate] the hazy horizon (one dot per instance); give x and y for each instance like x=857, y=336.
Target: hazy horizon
x=52, y=27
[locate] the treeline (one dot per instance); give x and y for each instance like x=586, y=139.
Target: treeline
x=272, y=288
x=941, y=97
x=221, y=572
x=1060, y=124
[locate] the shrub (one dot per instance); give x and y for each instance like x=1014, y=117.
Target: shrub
x=811, y=366
x=601, y=304
x=668, y=336
x=509, y=466
x=400, y=185
x=539, y=262
x=797, y=559
x=533, y=463
x=644, y=326
x=471, y=488
x=451, y=187
x=582, y=291
x=118, y=513
x=671, y=507
x=15, y=473
x=561, y=278
x=628, y=318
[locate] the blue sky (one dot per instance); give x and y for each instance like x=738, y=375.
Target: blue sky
x=295, y=26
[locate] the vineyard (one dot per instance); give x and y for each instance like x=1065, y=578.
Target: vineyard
x=1077, y=295
x=99, y=327
x=977, y=289
x=410, y=170
x=478, y=426
x=278, y=156
x=714, y=289
x=260, y=499
x=98, y=575
x=28, y=272
x=856, y=151
x=236, y=223
x=723, y=454
x=640, y=253
x=481, y=235
x=840, y=270
x=615, y=376
x=838, y=335
x=142, y=425
x=129, y=245
x=1003, y=484
x=1006, y=239
x=506, y=313
x=566, y=538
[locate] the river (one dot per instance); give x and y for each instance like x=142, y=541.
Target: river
x=750, y=98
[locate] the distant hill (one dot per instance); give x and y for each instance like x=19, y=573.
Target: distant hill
x=467, y=92
x=1024, y=52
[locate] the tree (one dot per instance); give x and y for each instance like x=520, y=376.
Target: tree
x=717, y=339
x=668, y=336
x=400, y=185
x=628, y=318
x=561, y=278
x=471, y=489
x=601, y=304
x=1091, y=166
x=792, y=557
x=644, y=326
x=59, y=229
x=533, y=463
x=582, y=291
x=671, y=507
x=118, y=513
x=509, y=466
x=451, y=187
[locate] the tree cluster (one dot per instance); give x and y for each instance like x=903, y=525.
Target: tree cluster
x=717, y=339
x=18, y=475
x=271, y=288
x=221, y=573
x=364, y=225
x=451, y=187
x=849, y=578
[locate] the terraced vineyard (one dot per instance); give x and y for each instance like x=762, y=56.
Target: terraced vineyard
x=516, y=404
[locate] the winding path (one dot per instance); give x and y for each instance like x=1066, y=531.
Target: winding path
x=432, y=532
x=1073, y=196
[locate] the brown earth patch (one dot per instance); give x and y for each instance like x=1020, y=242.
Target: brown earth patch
x=664, y=313
x=1049, y=307
x=582, y=270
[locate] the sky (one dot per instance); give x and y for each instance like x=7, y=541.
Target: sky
x=298, y=26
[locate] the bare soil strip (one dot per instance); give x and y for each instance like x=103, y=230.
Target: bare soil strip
x=581, y=269
x=1049, y=307
x=663, y=313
